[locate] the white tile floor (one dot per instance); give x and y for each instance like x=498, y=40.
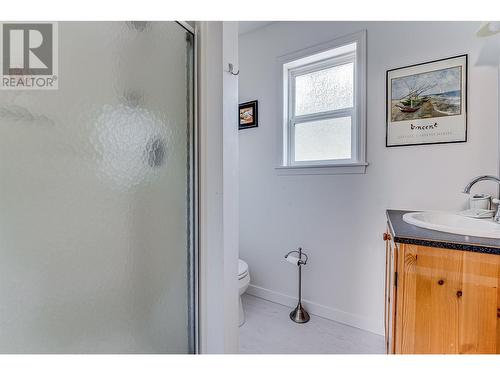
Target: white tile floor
x=269, y=330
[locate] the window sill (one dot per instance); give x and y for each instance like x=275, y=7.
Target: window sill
x=351, y=168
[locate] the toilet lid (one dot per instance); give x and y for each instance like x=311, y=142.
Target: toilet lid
x=242, y=267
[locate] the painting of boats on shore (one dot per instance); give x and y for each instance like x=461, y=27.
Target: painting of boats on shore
x=426, y=95
x=427, y=103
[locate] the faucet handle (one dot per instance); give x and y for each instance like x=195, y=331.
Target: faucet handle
x=496, y=218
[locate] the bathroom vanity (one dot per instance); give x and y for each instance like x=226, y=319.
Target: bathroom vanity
x=442, y=292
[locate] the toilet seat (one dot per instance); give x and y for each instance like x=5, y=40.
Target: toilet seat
x=242, y=269
x=243, y=283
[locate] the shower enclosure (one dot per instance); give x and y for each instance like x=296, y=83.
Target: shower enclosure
x=97, y=196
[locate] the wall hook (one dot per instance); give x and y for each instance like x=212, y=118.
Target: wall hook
x=231, y=70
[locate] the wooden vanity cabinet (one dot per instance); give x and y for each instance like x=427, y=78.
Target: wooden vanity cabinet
x=441, y=301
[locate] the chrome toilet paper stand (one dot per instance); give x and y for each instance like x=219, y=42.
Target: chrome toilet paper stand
x=299, y=314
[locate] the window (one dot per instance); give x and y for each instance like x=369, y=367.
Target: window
x=324, y=107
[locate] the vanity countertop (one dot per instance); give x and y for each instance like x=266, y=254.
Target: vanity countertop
x=405, y=233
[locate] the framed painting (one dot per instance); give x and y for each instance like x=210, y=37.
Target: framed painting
x=248, y=115
x=427, y=103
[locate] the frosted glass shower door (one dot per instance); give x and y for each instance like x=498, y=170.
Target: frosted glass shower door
x=95, y=196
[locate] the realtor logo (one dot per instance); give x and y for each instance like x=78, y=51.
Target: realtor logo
x=29, y=56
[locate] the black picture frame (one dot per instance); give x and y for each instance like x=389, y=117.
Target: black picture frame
x=465, y=76
x=252, y=106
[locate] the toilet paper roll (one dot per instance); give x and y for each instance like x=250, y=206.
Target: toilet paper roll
x=293, y=260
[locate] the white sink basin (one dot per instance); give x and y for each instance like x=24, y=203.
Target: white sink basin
x=454, y=223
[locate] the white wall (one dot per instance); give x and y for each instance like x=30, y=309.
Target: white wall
x=218, y=90
x=339, y=219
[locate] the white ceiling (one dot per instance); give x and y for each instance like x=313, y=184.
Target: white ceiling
x=247, y=26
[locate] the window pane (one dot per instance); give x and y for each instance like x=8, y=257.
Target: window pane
x=323, y=140
x=324, y=90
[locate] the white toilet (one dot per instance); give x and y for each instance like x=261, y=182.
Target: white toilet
x=243, y=281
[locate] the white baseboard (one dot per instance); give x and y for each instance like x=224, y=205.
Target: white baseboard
x=317, y=309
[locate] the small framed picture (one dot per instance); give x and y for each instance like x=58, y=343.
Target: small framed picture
x=427, y=103
x=248, y=115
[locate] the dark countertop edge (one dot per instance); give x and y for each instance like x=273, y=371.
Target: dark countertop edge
x=433, y=242
x=448, y=245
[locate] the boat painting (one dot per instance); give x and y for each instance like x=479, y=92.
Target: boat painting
x=426, y=95
x=427, y=103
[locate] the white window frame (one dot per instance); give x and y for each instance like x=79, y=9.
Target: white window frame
x=351, y=48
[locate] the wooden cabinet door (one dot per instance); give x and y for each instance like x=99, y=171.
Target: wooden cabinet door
x=447, y=301
x=390, y=292
x=479, y=304
x=428, y=307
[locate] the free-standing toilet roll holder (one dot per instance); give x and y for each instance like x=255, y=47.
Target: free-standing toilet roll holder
x=299, y=314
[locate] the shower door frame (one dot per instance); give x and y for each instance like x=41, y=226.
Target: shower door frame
x=193, y=251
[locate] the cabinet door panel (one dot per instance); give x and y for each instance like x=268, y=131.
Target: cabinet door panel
x=407, y=281
x=429, y=308
x=448, y=301
x=442, y=269
x=479, y=303
x=498, y=311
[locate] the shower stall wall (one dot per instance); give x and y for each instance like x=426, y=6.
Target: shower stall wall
x=96, y=196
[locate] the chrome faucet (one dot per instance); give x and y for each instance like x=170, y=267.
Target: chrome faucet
x=467, y=188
